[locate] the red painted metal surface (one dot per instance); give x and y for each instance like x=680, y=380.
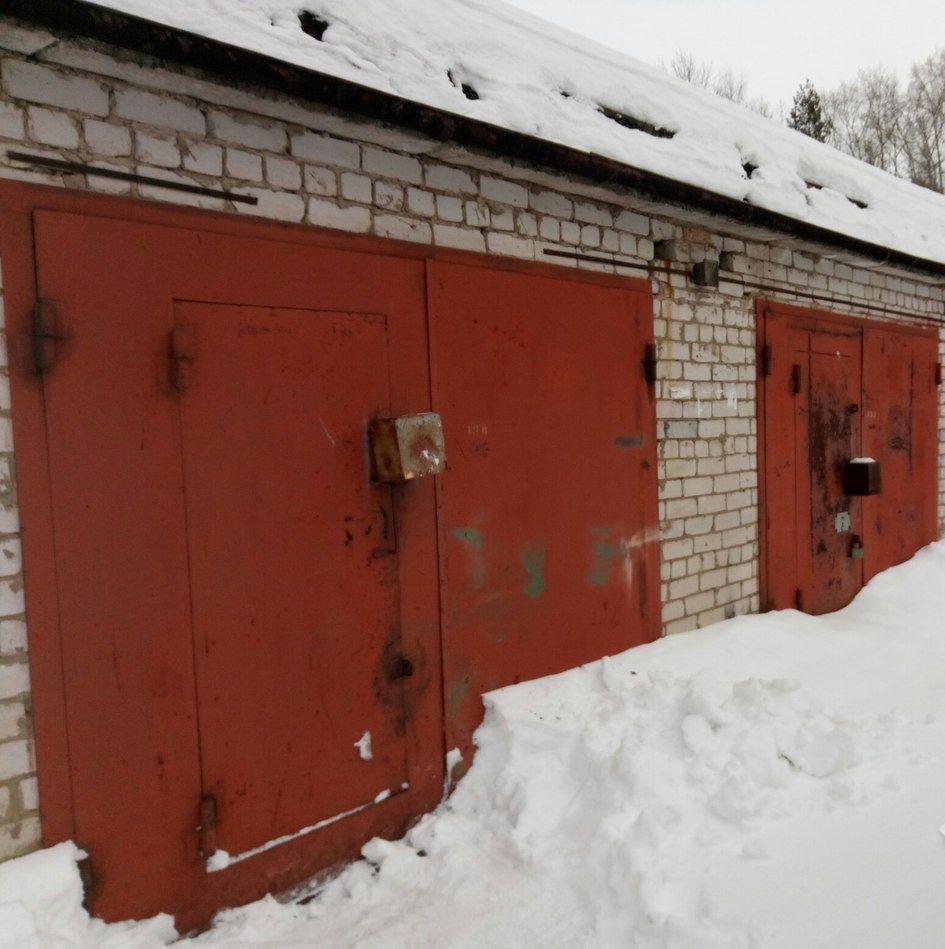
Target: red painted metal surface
x=234, y=596
x=294, y=588
x=900, y=427
x=214, y=620
x=838, y=389
x=547, y=513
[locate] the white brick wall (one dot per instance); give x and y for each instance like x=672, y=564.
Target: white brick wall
x=305, y=163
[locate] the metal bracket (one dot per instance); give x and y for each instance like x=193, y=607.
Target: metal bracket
x=183, y=353
x=649, y=363
x=46, y=330
x=207, y=828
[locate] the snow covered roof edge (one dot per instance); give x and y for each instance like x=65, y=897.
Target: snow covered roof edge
x=491, y=63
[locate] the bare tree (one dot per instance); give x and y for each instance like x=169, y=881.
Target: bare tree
x=899, y=129
x=723, y=82
x=925, y=117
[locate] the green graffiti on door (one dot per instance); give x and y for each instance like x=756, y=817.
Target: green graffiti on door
x=474, y=542
x=533, y=560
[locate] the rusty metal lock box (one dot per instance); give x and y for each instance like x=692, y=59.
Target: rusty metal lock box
x=407, y=447
x=862, y=477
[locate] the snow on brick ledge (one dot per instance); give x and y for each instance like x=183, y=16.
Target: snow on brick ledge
x=488, y=61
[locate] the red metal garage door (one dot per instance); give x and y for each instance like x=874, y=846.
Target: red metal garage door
x=838, y=389
x=219, y=600
x=232, y=600
x=547, y=513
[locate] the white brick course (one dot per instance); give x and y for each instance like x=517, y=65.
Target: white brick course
x=162, y=111
x=32, y=82
x=52, y=128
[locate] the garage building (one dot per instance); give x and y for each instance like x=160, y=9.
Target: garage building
x=655, y=361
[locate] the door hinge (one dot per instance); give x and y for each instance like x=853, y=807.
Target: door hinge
x=207, y=828
x=649, y=363
x=795, y=379
x=798, y=599
x=183, y=352
x=764, y=368
x=46, y=332
x=938, y=373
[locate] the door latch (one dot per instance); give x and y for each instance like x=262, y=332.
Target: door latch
x=406, y=448
x=856, y=547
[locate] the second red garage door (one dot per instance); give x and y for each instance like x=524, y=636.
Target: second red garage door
x=547, y=512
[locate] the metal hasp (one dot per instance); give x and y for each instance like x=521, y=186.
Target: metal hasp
x=407, y=447
x=862, y=477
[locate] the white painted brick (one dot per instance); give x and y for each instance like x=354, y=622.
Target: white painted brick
x=162, y=111
x=551, y=202
x=526, y=224
x=107, y=139
x=14, y=679
x=176, y=197
x=12, y=720
x=511, y=246
x=16, y=758
x=157, y=151
x=420, y=202
x=328, y=214
x=501, y=220
x=19, y=837
x=462, y=238
x=52, y=128
x=356, y=187
x=29, y=794
x=326, y=150
x=570, y=232
x=402, y=228
x=324, y=181
x=388, y=196
x=11, y=597
x=279, y=205
x=243, y=165
x=11, y=121
x=391, y=165
x=633, y=223
x=449, y=208
x=444, y=178
x=476, y=215
x=549, y=229
x=504, y=192
x=203, y=158
x=283, y=173
x=10, y=557
x=36, y=83
x=246, y=132
x=592, y=214
x=4, y=803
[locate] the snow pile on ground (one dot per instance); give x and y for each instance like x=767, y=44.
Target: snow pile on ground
x=41, y=907
x=522, y=73
x=773, y=780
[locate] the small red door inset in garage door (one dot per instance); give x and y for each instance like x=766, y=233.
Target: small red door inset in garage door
x=293, y=568
x=548, y=522
x=839, y=389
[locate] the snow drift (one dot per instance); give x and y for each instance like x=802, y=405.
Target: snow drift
x=489, y=61
x=772, y=780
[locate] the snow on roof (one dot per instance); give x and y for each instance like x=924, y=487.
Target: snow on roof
x=491, y=62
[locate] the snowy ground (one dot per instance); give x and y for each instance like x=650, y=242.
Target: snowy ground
x=774, y=780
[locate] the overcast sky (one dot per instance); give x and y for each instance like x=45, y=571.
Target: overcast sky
x=776, y=43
